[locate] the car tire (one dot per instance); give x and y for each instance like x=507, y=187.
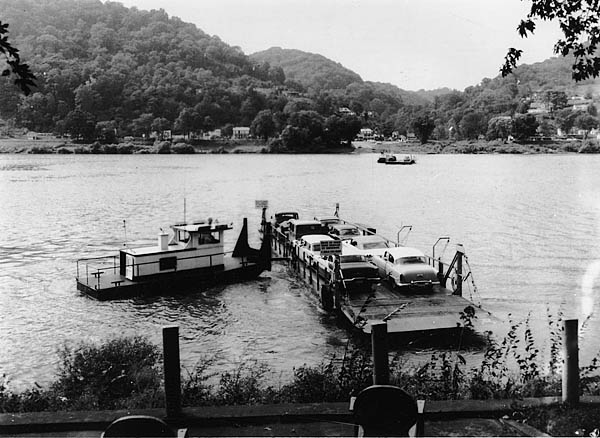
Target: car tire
x=392, y=282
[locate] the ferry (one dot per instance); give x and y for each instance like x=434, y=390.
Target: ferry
x=192, y=256
x=423, y=296
x=388, y=158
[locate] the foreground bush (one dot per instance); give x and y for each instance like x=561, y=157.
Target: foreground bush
x=126, y=373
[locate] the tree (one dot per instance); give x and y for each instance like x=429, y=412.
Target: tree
x=579, y=22
x=499, y=127
x=473, y=124
x=24, y=75
x=524, y=126
x=263, y=125
x=423, y=126
x=586, y=123
x=555, y=99
x=565, y=119
x=160, y=125
x=80, y=124
x=344, y=128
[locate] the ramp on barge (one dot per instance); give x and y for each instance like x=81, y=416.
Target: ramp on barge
x=406, y=311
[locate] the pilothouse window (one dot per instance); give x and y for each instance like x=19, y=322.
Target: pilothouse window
x=206, y=238
x=183, y=236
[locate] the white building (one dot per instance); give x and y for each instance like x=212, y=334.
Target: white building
x=241, y=132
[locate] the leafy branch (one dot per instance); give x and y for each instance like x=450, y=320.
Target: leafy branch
x=579, y=22
x=24, y=75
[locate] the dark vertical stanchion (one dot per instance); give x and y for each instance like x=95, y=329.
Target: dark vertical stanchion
x=172, y=370
x=440, y=274
x=570, y=381
x=381, y=370
x=459, y=272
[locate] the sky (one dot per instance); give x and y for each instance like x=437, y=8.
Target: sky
x=413, y=44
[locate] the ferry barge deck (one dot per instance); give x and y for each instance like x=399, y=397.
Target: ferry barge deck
x=405, y=309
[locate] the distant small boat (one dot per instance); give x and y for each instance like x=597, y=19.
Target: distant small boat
x=387, y=158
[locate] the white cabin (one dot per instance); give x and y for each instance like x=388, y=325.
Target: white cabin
x=198, y=245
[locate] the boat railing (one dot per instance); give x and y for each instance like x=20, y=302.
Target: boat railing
x=97, y=266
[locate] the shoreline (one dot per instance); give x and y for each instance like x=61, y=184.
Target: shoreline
x=64, y=146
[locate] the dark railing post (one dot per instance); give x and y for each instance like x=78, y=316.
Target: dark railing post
x=381, y=370
x=570, y=380
x=441, y=273
x=459, y=271
x=172, y=371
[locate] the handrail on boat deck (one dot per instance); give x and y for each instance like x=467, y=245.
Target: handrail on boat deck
x=99, y=270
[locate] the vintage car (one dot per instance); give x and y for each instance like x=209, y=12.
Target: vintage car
x=369, y=245
x=300, y=227
x=327, y=221
x=356, y=270
x=309, y=246
x=281, y=220
x=343, y=231
x=406, y=267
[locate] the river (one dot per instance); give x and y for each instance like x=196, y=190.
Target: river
x=530, y=225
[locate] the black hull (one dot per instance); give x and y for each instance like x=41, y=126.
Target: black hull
x=176, y=282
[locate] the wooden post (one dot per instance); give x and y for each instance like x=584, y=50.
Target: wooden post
x=172, y=370
x=459, y=276
x=570, y=380
x=381, y=370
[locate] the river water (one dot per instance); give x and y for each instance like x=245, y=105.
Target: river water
x=530, y=226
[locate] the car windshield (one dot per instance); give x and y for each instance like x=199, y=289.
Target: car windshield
x=285, y=217
x=411, y=260
x=374, y=245
x=349, y=232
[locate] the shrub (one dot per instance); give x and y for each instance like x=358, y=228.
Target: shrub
x=117, y=374
x=183, y=148
x=41, y=150
x=589, y=147
x=64, y=151
x=242, y=386
x=163, y=148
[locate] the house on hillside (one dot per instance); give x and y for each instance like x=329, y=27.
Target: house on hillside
x=537, y=108
x=578, y=103
x=343, y=110
x=365, y=134
x=211, y=135
x=241, y=132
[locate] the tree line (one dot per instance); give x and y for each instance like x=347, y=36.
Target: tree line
x=104, y=71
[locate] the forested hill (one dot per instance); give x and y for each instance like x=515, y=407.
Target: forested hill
x=104, y=70
x=319, y=74
x=311, y=70
x=118, y=64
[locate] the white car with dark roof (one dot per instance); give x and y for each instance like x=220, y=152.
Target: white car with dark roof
x=406, y=267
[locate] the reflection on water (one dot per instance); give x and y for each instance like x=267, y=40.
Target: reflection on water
x=529, y=225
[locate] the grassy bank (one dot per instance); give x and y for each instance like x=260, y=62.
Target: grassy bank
x=126, y=373
x=61, y=146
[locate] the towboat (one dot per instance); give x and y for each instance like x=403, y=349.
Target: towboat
x=190, y=257
x=387, y=158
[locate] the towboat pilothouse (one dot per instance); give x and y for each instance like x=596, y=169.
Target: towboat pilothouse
x=193, y=255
